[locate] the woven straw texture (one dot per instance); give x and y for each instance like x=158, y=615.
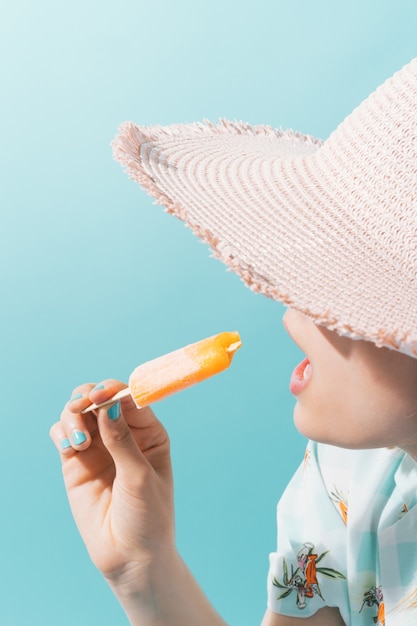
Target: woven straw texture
x=328, y=228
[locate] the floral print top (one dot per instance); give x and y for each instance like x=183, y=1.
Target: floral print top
x=347, y=538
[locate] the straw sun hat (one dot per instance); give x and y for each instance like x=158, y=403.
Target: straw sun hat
x=329, y=228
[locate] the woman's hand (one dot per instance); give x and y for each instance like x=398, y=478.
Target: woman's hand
x=117, y=472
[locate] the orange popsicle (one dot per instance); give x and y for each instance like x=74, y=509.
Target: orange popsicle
x=175, y=371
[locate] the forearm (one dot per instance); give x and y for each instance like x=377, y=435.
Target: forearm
x=165, y=595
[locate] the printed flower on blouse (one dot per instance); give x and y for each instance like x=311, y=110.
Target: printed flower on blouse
x=371, y=597
x=403, y=511
x=341, y=503
x=307, y=457
x=304, y=579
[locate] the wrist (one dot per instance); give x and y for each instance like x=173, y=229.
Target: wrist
x=142, y=587
x=162, y=592
x=143, y=577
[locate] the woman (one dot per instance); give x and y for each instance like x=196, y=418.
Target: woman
x=330, y=229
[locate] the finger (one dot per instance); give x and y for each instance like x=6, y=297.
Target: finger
x=138, y=418
x=79, y=399
x=79, y=429
x=61, y=441
x=105, y=390
x=120, y=443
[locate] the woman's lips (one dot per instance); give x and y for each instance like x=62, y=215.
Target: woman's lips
x=300, y=377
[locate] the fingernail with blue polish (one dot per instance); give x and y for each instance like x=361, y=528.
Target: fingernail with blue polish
x=76, y=396
x=65, y=443
x=78, y=437
x=113, y=412
x=97, y=387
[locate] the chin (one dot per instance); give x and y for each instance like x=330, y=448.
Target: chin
x=315, y=429
x=312, y=427
x=305, y=423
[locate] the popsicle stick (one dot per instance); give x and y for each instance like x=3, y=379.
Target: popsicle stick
x=120, y=394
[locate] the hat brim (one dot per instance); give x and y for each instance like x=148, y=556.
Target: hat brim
x=273, y=207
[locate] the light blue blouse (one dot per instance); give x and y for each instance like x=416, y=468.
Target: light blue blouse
x=347, y=538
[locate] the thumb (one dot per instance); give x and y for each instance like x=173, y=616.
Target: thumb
x=118, y=439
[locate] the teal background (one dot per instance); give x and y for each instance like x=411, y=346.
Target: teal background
x=95, y=279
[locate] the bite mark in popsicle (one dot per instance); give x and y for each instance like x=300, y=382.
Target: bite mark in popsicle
x=155, y=380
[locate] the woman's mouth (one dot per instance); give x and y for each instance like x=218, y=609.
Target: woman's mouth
x=300, y=377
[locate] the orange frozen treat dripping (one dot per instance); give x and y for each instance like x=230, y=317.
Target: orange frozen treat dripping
x=165, y=375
